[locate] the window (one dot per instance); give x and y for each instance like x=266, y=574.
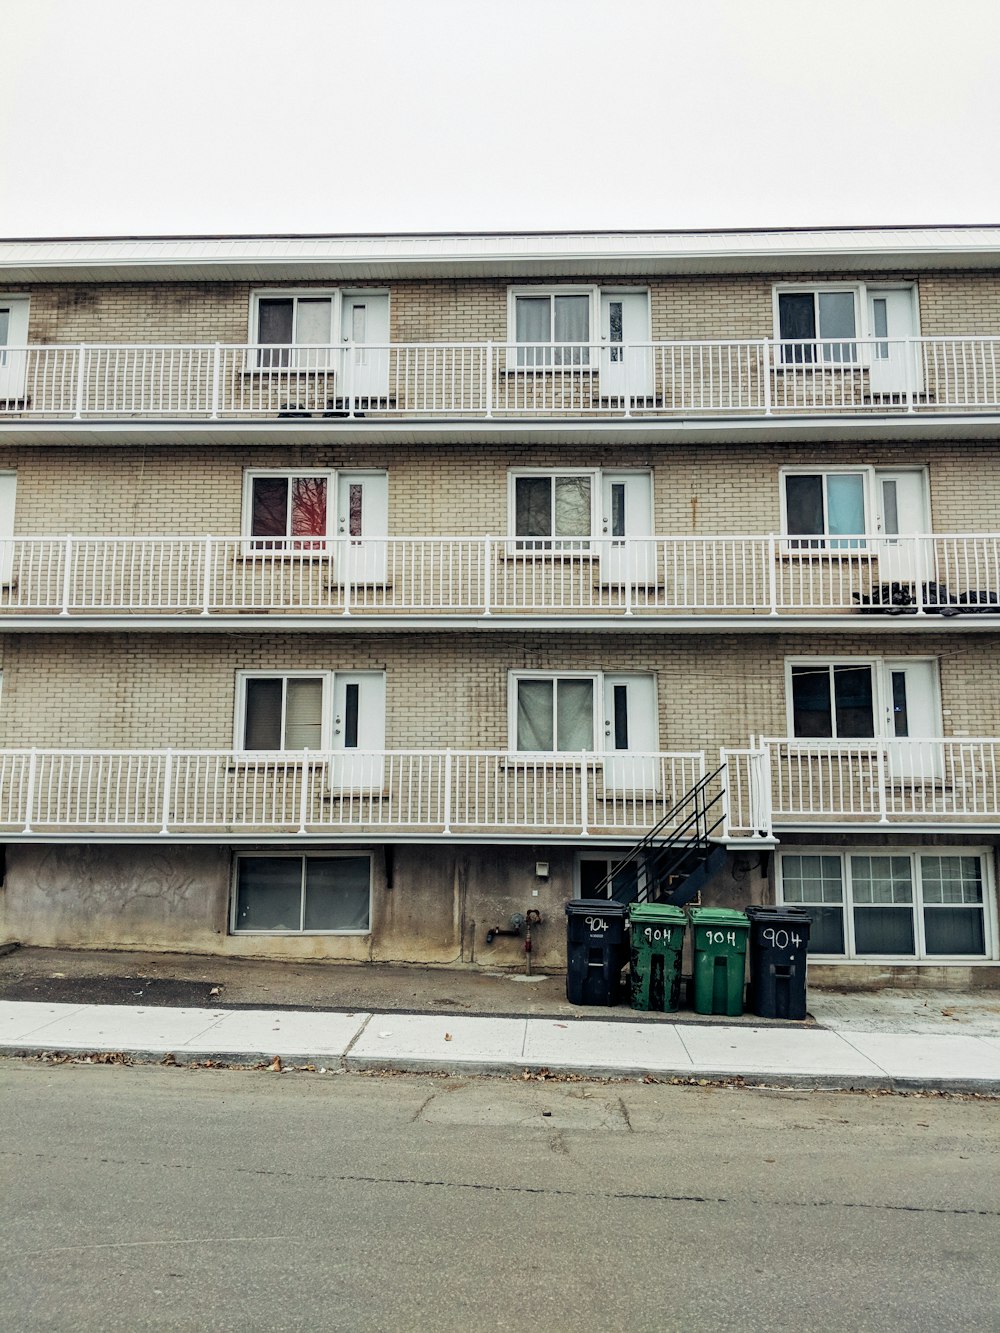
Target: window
x=891, y=904
x=851, y=700
x=281, y=712
x=821, y=508
x=818, y=324
x=551, y=328
x=319, y=894
x=553, y=505
x=293, y=329
x=555, y=713
x=832, y=701
x=287, y=511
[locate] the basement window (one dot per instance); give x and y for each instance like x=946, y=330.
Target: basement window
x=302, y=895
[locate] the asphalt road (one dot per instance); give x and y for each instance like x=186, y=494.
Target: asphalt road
x=146, y=1198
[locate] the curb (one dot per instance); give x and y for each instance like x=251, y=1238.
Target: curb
x=507, y=1068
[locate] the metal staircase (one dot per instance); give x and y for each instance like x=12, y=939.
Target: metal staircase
x=673, y=868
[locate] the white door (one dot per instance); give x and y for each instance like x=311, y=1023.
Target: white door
x=631, y=734
x=364, y=323
x=8, y=487
x=891, y=315
x=912, y=720
x=13, y=336
x=626, y=370
x=362, y=518
x=902, y=514
x=627, y=517
x=358, y=731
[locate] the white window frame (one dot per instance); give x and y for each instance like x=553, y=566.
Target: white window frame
x=326, y=704
x=920, y=956
x=23, y=317
x=298, y=546
x=316, y=362
x=597, y=678
x=552, y=290
x=278, y=854
x=871, y=502
x=569, y=547
x=863, y=332
x=881, y=696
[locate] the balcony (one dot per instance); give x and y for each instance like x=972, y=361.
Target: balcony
x=893, y=582
x=797, y=784
x=753, y=378
x=776, y=785
x=194, y=794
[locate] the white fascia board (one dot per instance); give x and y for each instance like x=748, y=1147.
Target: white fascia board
x=381, y=257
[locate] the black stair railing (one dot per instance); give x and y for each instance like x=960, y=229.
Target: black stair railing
x=658, y=859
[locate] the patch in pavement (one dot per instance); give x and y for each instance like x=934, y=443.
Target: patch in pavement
x=112, y=990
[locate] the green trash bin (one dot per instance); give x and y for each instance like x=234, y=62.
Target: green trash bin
x=720, y=947
x=656, y=931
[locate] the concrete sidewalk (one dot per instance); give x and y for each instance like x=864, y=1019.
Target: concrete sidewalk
x=837, y=1056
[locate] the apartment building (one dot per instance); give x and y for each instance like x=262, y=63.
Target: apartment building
x=359, y=593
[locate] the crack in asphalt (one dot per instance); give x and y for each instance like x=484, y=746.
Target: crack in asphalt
x=626, y=1196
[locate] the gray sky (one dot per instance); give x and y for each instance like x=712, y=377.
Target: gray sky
x=173, y=116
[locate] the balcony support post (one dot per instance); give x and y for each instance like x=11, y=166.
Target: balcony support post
x=909, y=351
x=29, y=795
x=216, y=380
x=918, y=574
x=880, y=778
x=584, y=831
x=772, y=574
x=206, y=578
x=447, y=792
x=168, y=781
x=304, y=791
x=349, y=379
x=765, y=374
x=344, y=547
x=626, y=363
x=488, y=396
x=487, y=575
x=67, y=588
x=81, y=380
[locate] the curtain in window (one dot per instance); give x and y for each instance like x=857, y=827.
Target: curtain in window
x=836, y=320
x=532, y=324
x=534, y=714
x=303, y=714
x=572, y=325
x=274, y=325
x=574, y=715
x=845, y=500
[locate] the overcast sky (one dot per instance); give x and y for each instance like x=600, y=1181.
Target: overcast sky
x=178, y=116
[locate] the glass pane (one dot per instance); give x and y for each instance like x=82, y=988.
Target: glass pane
x=883, y=930
x=262, y=724
x=338, y=893
x=804, y=502
x=890, y=509
x=900, y=720
x=574, y=715
x=309, y=506
x=533, y=506
x=572, y=325
x=880, y=323
x=355, y=503
x=951, y=879
x=826, y=934
x=531, y=319
x=845, y=503
x=853, y=697
x=881, y=880
x=268, y=893
x=618, y=509
x=4, y=327
x=572, y=518
x=954, y=930
x=270, y=507
x=615, y=328
x=620, y=696
x=812, y=879
x=274, y=325
x=534, y=714
x=836, y=320
x=811, y=716
x=797, y=321
x=359, y=323
x=304, y=714
x=352, y=699
x=312, y=322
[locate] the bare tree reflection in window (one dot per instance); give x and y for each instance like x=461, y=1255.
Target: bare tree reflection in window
x=308, y=517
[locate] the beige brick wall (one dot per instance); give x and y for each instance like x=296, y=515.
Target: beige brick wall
x=462, y=491
x=439, y=310
x=119, y=690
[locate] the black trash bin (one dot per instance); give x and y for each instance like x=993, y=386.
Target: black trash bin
x=779, y=944
x=596, y=950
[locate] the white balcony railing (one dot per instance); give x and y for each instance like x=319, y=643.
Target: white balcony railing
x=204, y=792
x=483, y=380
x=913, y=781
x=942, y=574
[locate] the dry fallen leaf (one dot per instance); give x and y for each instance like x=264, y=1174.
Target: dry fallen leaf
x=216, y=990
x=447, y=1036
x=276, y=1064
